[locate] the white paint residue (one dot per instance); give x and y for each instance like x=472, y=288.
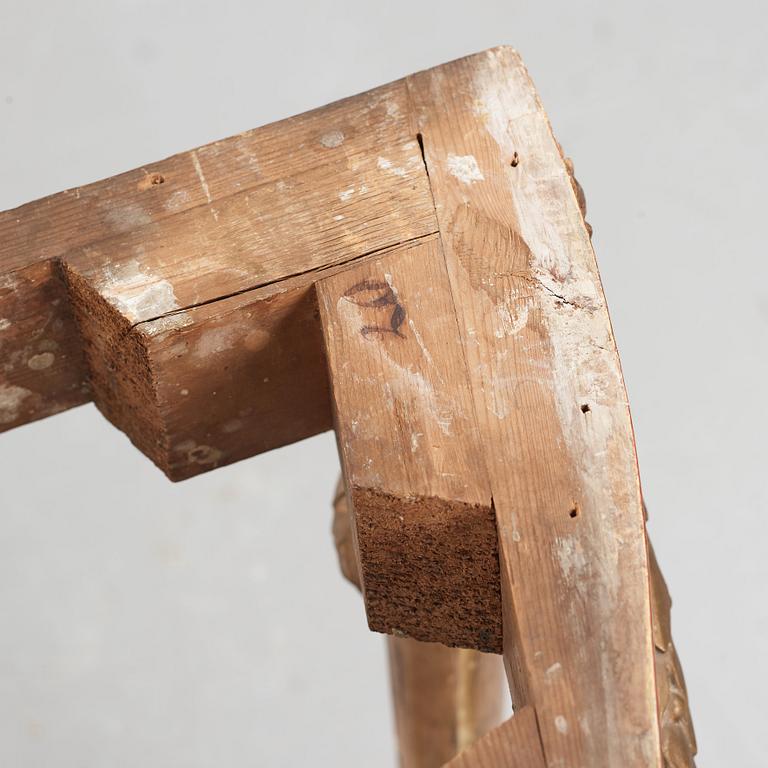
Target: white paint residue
x=9, y=281
x=11, y=398
x=582, y=367
x=387, y=165
x=200, y=175
x=332, y=139
x=215, y=341
x=4, y=323
x=500, y=404
x=393, y=108
x=419, y=340
x=573, y=563
x=245, y=149
x=165, y=324
x=464, y=168
x=135, y=294
x=177, y=200
x=504, y=95
x=510, y=325
x=554, y=669
x=155, y=299
x=561, y=724
x=346, y=194
x=199, y=454
x=125, y=217
x=41, y=362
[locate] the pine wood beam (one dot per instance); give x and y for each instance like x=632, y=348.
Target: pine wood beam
x=552, y=411
x=513, y=744
x=444, y=699
x=178, y=296
x=409, y=448
x=425, y=244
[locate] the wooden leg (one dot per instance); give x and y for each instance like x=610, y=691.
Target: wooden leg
x=444, y=698
x=479, y=374
x=515, y=742
x=411, y=454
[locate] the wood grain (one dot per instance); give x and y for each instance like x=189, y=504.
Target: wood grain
x=308, y=219
x=408, y=443
x=50, y=227
x=554, y=418
x=195, y=228
x=513, y=744
x=42, y=366
x=411, y=265
x=444, y=699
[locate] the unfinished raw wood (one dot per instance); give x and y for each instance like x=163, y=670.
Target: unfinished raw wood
x=478, y=401
x=513, y=744
x=552, y=411
x=187, y=336
x=409, y=448
x=444, y=699
x=42, y=365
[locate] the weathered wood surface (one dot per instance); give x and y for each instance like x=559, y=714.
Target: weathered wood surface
x=169, y=239
x=409, y=449
x=552, y=411
x=424, y=243
x=444, y=699
x=42, y=365
x=513, y=744
x=50, y=227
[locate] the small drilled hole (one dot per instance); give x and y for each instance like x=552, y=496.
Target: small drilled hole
x=574, y=511
x=157, y=178
x=585, y=408
x=515, y=160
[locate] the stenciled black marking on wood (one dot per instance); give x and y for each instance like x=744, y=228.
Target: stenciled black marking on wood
x=381, y=295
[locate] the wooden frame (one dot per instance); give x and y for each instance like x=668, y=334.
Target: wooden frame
x=411, y=267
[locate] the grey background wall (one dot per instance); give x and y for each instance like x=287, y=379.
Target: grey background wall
x=205, y=624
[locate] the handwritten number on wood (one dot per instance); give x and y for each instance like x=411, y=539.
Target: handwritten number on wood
x=378, y=294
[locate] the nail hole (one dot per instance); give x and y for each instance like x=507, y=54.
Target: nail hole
x=585, y=408
x=515, y=160
x=157, y=178
x=574, y=511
